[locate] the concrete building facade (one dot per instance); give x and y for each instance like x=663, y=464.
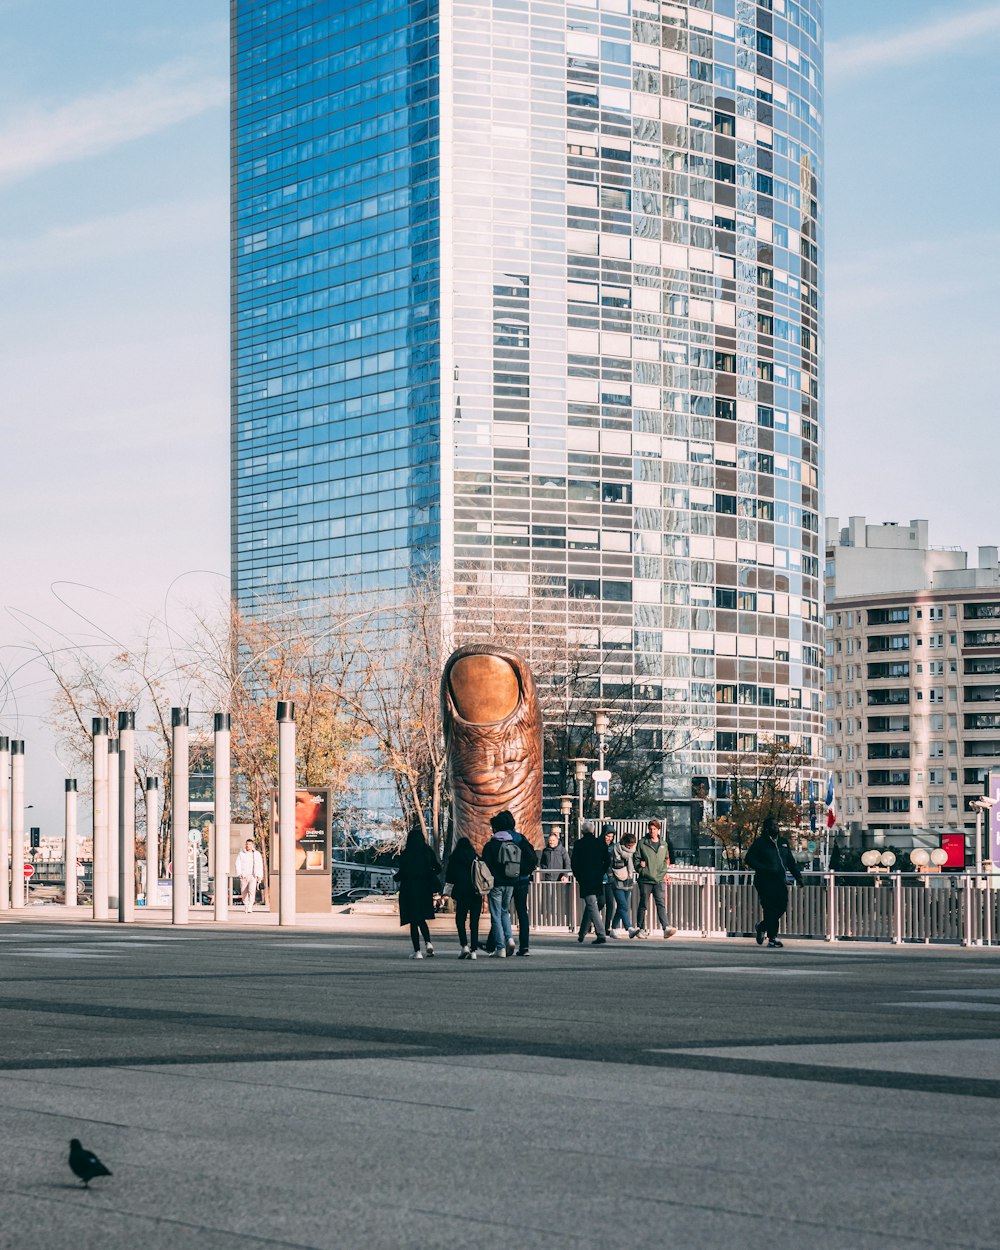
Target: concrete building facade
x=912, y=679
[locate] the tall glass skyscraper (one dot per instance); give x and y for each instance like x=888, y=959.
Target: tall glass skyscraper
x=531, y=292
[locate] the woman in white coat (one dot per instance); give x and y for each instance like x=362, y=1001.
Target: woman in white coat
x=250, y=870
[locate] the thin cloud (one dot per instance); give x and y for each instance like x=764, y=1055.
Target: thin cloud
x=157, y=227
x=40, y=139
x=850, y=58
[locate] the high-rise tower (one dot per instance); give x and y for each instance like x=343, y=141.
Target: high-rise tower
x=532, y=292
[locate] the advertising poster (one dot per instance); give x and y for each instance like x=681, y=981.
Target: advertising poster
x=993, y=841
x=311, y=822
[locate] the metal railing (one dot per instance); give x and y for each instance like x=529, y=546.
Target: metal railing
x=958, y=908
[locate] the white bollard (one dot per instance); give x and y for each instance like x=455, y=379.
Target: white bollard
x=222, y=795
x=152, y=884
x=286, y=813
x=99, y=730
x=180, y=798
x=17, y=823
x=126, y=817
x=70, y=850
x=4, y=824
x=112, y=824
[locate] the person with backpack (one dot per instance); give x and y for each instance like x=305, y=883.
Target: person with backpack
x=529, y=862
x=621, y=875
x=590, y=860
x=502, y=855
x=653, y=860
x=470, y=879
x=419, y=878
x=773, y=866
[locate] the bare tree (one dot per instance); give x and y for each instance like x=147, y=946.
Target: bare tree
x=758, y=786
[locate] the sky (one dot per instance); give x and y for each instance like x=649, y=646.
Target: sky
x=114, y=325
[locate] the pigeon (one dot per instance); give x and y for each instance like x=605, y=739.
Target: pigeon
x=85, y=1164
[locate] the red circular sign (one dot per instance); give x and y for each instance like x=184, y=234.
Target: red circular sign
x=29, y=871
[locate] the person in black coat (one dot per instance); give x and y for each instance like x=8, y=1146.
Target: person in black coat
x=590, y=861
x=771, y=858
x=468, y=900
x=419, y=877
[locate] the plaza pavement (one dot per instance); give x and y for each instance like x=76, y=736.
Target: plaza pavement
x=314, y=1088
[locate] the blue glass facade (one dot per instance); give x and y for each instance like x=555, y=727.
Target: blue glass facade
x=335, y=294
x=533, y=290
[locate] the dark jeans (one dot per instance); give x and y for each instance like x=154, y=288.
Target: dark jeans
x=608, y=903
x=623, y=907
x=418, y=927
x=659, y=892
x=591, y=916
x=468, y=907
x=520, y=900
x=773, y=897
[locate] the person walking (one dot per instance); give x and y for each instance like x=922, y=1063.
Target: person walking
x=607, y=899
x=250, y=870
x=621, y=875
x=652, y=860
x=519, y=897
x=590, y=860
x=467, y=898
x=502, y=855
x=771, y=859
x=419, y=878
x=555, y=857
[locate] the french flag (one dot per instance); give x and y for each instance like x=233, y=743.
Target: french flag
x=831, y=804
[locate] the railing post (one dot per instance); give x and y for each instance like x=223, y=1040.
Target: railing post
x=831, y=906
x=897, y=909
x=967, y=892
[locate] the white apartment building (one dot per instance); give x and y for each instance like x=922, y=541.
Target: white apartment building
x=912, y=679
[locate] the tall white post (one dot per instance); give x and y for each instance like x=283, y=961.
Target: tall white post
x=180, y=818
x=5, y=824
x=152, y=886
x=17, y=823
x=286, y=813
x=126, y=816
x=70, y=850
x=221, y=791
x=99, y=730
x=113, y=824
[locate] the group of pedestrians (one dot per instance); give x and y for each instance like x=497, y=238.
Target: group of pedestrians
x=605, y=869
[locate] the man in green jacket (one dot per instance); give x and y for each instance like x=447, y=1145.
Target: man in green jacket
x=652, y=858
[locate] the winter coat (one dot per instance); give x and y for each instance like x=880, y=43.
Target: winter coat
x=620, y=858
x=770, y=860
x=590, y=860
x=555, y=859
x=419, y=877
x=491, y=854
x=656, y=856
x=529, y=858
x=459, y=871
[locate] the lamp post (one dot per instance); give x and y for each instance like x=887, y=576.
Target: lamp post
x=566, y=802
x=981, y=805
x=580, y=773
x=601, y=721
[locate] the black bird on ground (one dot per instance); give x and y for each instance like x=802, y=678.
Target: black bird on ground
x=85, y=1164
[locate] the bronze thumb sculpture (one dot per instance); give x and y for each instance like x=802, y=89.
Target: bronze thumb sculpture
x=493, y=741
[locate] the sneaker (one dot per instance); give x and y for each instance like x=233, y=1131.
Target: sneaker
x=416, y=955
x=430, y=951
x=668, y=933
x=758, y=932
x=471, y=955
x=511, y=946
x=642, y=933
x=525, y=953
x=599, y=942
x=580, y=937
x=613, y=933
x=465, y=953
x=633, y=933
x=498, y=954
x=775, y=942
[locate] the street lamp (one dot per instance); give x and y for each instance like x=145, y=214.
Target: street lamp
x=566, y=802
x=601, y=722
x=981, y=805
x=580, y=772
